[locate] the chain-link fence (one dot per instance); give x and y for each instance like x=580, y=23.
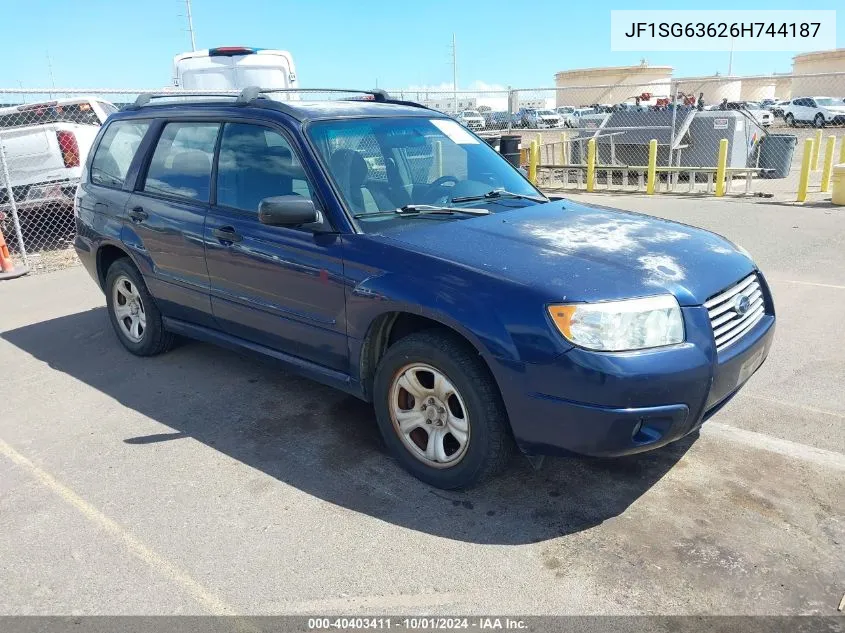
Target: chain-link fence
x=729, y=134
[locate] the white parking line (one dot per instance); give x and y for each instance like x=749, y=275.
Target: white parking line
x=819, y=456
x=808, y=283
x=803, y=407
x=214, y=604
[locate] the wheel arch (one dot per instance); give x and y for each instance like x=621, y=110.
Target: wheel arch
x=107, y=254
x=391, y=326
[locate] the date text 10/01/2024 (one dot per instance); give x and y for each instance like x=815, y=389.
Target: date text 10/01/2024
x=425, y=623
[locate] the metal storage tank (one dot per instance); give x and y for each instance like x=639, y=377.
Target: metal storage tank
x=612, y=84
x=757, y=88
x=714, y=87
x=783, y=86
x=819, y=62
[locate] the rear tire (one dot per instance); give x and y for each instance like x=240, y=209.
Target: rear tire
x=132, y=311
x=789, y=119
x=440, y=411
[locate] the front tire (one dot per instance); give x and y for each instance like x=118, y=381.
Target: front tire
x=132, y=311
x=819, y=120
x=789, y=119
x=440, y=412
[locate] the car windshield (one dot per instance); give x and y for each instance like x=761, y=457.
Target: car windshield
x=547, y=112
x=827, y=101
x=384, y=164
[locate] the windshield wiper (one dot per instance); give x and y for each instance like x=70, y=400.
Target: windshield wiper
x=498, y=193
x=422, y=209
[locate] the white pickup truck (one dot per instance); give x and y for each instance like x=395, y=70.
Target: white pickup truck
x=45, y=145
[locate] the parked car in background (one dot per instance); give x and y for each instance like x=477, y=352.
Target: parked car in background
x=762, y=117
x=234, y=68
x=46, y=145
x=537, y=118
x=496, y=120
x=767, y=104
x=777, y=108
x=472, y=311
x=567, y=115
x=472, y=119
x=819, y=111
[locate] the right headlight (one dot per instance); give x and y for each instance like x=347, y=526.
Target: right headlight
x=615, y=326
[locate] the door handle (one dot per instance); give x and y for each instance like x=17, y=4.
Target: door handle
x=138, y=215
x=227, y=235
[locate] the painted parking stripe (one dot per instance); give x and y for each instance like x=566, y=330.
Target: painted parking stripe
x=818, y=456
x=214, y=604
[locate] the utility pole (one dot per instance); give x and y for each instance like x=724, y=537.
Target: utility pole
x=190, y=25
x=50, y=70
x=455, y=73
x=731, y=58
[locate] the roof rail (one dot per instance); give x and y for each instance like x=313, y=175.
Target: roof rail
x=251, y=93
x=145, y=98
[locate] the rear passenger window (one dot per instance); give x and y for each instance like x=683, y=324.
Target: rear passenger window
x=256, y=163
x=181, y=163
x=115, y=152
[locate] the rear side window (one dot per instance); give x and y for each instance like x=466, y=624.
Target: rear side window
x=181, y=163
x=257, y=163
x=115, y=152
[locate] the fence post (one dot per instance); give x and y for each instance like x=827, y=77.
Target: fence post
x=591, y=164
x=828, y=162
x=564, y=138
x=816, y=149
x=721, y=167
x=438, y=158
x=652, y=166
x=533, y=160
x=805, y=170
x=13, y=206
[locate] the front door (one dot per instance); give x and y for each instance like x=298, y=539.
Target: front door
x=277, y=286
x=165, y=218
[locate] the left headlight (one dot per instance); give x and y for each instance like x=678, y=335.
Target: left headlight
x=616, y=326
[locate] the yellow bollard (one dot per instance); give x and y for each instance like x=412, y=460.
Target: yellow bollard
x=438, y=158
x=533, y=161
x=828, y=162
x=591, y=164
x=721, y=167
x=816, y=149
x=842, y=151
x=652, y=166
x=804, y=179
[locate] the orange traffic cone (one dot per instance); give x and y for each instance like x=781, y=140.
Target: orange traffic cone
x=8, y=270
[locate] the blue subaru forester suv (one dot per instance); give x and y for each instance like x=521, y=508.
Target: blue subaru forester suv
x=380, y=247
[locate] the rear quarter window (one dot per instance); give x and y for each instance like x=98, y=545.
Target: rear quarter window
x=115, y=152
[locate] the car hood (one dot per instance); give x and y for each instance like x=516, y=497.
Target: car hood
x=583, y=253
x=835, y=108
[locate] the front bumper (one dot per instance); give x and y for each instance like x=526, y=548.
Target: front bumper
x=610, y=404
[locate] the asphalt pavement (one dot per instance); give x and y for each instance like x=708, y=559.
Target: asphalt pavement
x=205, y=481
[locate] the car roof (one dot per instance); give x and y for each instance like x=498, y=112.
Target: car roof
x=299, y=110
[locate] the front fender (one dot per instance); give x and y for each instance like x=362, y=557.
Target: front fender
x=450, y=304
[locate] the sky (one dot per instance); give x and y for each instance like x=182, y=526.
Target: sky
x=343, y=43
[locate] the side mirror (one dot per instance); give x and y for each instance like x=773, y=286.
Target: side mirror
x=287, y=211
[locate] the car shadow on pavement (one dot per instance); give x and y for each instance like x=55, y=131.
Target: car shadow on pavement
x=326, y=443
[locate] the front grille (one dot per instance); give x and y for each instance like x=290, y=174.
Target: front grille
x=728, y=324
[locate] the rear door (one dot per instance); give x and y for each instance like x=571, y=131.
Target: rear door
x=165, y=217
x=277, y=286
x=104, y=192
